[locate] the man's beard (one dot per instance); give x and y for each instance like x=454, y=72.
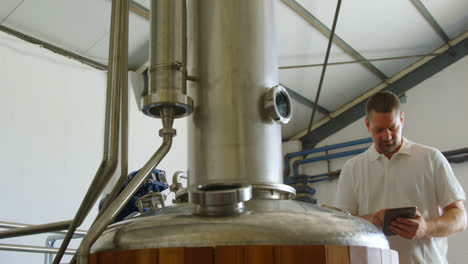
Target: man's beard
x=384, y=147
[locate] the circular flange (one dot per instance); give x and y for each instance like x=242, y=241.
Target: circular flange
x=220, y=199
x=273, y=191
x=153, y=103
x=277, y=105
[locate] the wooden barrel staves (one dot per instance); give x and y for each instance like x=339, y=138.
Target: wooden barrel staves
x=317, y=254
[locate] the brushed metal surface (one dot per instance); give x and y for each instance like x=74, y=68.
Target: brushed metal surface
x=168, y=66
x=265, y=222
x=233, y=54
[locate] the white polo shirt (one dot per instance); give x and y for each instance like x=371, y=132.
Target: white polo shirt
x=416, y=175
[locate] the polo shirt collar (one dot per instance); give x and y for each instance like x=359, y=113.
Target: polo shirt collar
x=405, y=149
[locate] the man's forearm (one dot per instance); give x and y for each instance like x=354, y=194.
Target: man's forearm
x=453, y=220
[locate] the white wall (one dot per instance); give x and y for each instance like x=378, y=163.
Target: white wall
x=436, y=113
x=51, y=136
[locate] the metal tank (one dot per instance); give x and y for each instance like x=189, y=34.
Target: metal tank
x=237, y=196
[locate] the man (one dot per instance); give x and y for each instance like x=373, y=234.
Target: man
x=395, y=172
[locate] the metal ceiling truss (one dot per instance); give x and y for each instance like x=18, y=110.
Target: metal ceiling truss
x=416, y=73
x=133, y=6
x=427, y=15
x=336, y=39
x=303, y=100
x=399, y=84
x=54, y=48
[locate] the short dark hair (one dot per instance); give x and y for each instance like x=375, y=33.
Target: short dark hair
x=382, y=102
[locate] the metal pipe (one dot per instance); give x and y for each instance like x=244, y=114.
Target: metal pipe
x=330, y=41
x=289, y=156
x=301, y=176
x=124, y=114
x=35, y=249
x=308, y=178
x=457, y=156
x=35, y=229
x=184, y=46
x=455, y=152
x=117, y=205
x=139, y=9
x=10, y=225
x=118, y=52
x=320, y=158
x=50, y=240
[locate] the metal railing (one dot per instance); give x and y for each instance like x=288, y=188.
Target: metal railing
x=27, y=229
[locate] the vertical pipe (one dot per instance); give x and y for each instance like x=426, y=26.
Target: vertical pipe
x=168, y=59
x=184, y=46
x=111, y=129
x=124, y=94
x=123, y=83
x=166, y=45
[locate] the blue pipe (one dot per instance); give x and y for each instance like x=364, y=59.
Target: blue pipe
x=328, y=157
x=288, y=156
x=309, y=179
x=330, y=174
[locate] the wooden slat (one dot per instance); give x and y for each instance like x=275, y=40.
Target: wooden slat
x=203, y=255
x=171, y=255
x=229, y=255
x=300, y=254
x=145, y=256
x=93, y=259
x=258, y=255
x=338, y=254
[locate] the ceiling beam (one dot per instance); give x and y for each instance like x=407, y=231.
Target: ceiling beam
x=427, y=15
x=303, y=100
x=54, y=48
x=336, y=39
x=398, y=84
x=134, y=6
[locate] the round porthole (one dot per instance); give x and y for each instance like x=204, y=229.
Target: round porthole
x=278, y=105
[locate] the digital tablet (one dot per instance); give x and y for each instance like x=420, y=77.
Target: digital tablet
x=393, y=213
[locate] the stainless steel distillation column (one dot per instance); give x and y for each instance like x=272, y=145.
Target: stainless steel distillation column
x=237, y=199
x=233, y=142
